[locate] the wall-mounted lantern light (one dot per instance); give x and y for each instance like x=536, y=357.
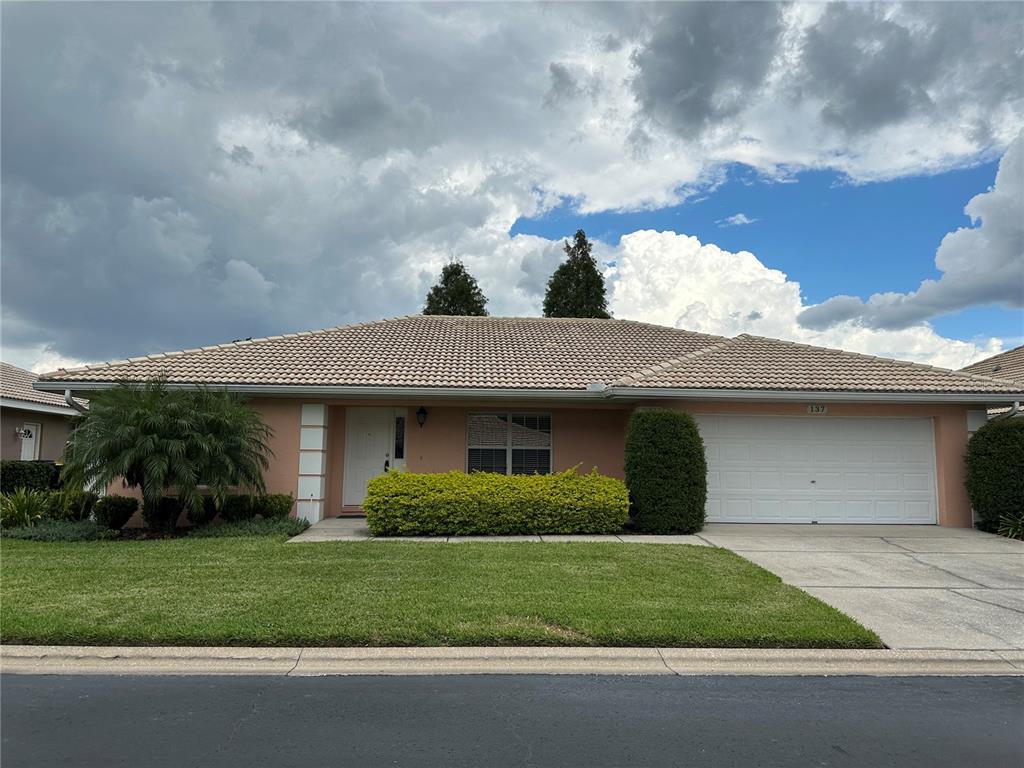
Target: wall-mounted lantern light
x=421, y=416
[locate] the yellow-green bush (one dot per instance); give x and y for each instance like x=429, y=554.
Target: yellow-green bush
x=481, y=503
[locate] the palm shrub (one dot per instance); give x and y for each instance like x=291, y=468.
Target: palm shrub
x=666, y=472
x=159, y=440
x=995, y=482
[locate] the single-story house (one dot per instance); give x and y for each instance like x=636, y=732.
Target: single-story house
x=1007, y=365
x=33, y=425
x=793, y=433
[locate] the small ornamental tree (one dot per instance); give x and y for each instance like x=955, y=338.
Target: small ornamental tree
x=161, y=440
x=995, y=472
x=576, y=289
x=456, y=293
x=666, y=472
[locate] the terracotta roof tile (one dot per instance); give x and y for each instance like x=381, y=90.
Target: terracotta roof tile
x=426, y=351
x=1005, y=365
x=16, y=384
x=758, y=363
x=532, y=353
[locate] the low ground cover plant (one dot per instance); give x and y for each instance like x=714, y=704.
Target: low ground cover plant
x=995, y=482
x=483, y=503
x=279, y=526
x=666, y=472
x=59, y=530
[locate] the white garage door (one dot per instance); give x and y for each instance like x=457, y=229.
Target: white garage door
x=788, y=469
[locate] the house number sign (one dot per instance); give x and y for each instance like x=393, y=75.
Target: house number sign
x=815, y=410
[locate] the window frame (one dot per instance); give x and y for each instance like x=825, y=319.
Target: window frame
x=508, y=438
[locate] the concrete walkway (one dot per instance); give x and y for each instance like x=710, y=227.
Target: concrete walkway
x=354, y=529
x=297, y=662
x=918, y=587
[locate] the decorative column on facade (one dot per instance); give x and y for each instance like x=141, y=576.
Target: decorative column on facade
x=312, y=462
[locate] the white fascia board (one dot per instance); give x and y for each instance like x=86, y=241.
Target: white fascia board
x=27, y=405
x=651, y=393
x=609, y=393
x=367, y=393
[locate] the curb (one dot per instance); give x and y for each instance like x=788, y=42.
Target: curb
x=306, y=662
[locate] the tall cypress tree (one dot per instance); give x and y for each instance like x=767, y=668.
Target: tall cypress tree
x=456, y=293
x=577, y=287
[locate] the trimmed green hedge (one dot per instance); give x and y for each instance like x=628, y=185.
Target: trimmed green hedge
x=30, y=475
x=482, y=503
x=995, y=472
x=666, y=472
x=114, y=511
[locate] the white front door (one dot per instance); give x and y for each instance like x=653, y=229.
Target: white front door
x=369, y=445
x=793, y=469
x=29, y=442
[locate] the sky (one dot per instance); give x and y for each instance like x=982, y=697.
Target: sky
x=179, y=175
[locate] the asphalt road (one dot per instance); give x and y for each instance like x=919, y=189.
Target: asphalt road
x=511, y=721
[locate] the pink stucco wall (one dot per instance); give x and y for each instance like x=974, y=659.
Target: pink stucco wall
x=587, y=437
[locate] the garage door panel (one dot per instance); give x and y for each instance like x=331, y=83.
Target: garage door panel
x=736, y=480
x=761, y=468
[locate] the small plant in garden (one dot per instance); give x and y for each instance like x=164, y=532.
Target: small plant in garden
x=1012, y=526
x=22, y=507
x=995, y=482
x=666, y=472
x=158, y=439
x=70, y=504
x=112, y=512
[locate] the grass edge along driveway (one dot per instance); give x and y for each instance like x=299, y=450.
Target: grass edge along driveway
x=263, y=592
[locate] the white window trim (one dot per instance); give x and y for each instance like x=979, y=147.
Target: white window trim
x=508, y=438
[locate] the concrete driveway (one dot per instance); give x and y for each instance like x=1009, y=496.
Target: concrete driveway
x=916, y=586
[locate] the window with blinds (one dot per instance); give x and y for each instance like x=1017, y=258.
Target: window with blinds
x=509, y=443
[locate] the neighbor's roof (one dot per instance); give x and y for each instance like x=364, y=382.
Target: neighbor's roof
x=1005, y=365
x=531, y=353
x=16, y=384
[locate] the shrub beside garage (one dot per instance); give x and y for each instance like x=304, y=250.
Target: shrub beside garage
x=666, y=472
x=483, y=503
x=995, y=474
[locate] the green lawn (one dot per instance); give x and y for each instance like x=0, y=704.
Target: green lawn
x=261, y=591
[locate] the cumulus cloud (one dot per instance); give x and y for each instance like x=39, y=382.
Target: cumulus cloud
x=180, y=174
x=981, y=264
x=674, y=279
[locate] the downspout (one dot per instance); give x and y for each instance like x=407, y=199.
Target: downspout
x=74, y=403
x=1014, y=410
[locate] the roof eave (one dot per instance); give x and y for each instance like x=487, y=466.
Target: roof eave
x=666, y=393
x=30, y=405
x=609, y=393
x=353, y=392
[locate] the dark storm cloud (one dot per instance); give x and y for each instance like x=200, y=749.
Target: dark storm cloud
x=704, y=61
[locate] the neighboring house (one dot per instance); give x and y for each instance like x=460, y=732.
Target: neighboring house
x=794, y=433
x=34, y=424
x=1006, y=365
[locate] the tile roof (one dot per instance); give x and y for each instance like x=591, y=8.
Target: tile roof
x=759, y=363
x=1005, y=365
x=422, y=351
x=16, y=384
x=531, y=353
